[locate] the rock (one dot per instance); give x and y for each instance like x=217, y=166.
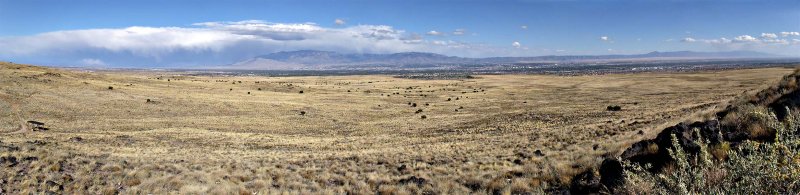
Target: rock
x=683, y=133
x=791, y=100
x=413, y=180
x=647, y=152
x=613, y=108
x=655, y=152
x=611, y=174
x=736, y=136
x=10, y=160
x=709, y=130
x=517, y=161
x=37, y=142
x=538, y=153
x=585, y=183
x=51, y=183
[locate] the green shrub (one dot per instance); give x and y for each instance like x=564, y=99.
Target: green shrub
x=751, y=168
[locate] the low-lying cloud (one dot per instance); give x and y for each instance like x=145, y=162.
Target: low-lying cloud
x=214, y=43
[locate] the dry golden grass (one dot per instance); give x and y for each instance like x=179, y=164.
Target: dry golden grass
x=203, y=134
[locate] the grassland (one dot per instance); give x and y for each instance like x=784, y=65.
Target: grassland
x=358, y=134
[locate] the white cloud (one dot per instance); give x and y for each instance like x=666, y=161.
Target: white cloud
x=769, y=35
x=786, y=34
x=745, y=38
x=516, y=44
x=722, y=40
x=339, y=21
x=688, y=40
x=776, y=41
x=525, y=27
x=459, y=31
x=434, y=33
x=212, y=43
x=92, y=62
x=412, y=38
x=605, y=38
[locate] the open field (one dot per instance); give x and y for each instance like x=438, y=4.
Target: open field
x=361, y=134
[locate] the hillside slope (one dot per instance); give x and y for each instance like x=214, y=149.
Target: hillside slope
x=752, y=146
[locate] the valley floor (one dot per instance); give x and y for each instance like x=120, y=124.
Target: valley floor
x=159, y=132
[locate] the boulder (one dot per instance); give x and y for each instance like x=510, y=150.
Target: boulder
x=611, y=174
x=647, y=152
x=586, y=182
x=709, y=130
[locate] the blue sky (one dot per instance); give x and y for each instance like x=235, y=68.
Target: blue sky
x=178, y=33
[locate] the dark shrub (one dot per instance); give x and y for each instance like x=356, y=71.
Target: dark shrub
x=110, y=88
x=302, y=113
x=614, y=108
x=301, y=91
x=424, y=117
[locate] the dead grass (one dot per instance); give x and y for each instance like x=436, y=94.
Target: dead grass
x=197, y=132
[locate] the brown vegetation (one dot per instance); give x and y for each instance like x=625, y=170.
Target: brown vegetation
x=196, y=137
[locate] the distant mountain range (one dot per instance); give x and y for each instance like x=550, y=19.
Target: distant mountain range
x=328, y=60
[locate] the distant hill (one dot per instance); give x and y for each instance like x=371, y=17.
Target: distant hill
x=313, y=59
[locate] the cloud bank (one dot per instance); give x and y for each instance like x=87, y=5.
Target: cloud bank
x=215, y=43
x=784, y=43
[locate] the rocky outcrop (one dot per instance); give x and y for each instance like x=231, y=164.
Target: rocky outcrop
x=655, y=152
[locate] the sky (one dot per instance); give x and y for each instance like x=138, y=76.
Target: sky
x=181, y=33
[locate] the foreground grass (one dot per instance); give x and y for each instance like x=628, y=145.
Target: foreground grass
x=499, y=134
